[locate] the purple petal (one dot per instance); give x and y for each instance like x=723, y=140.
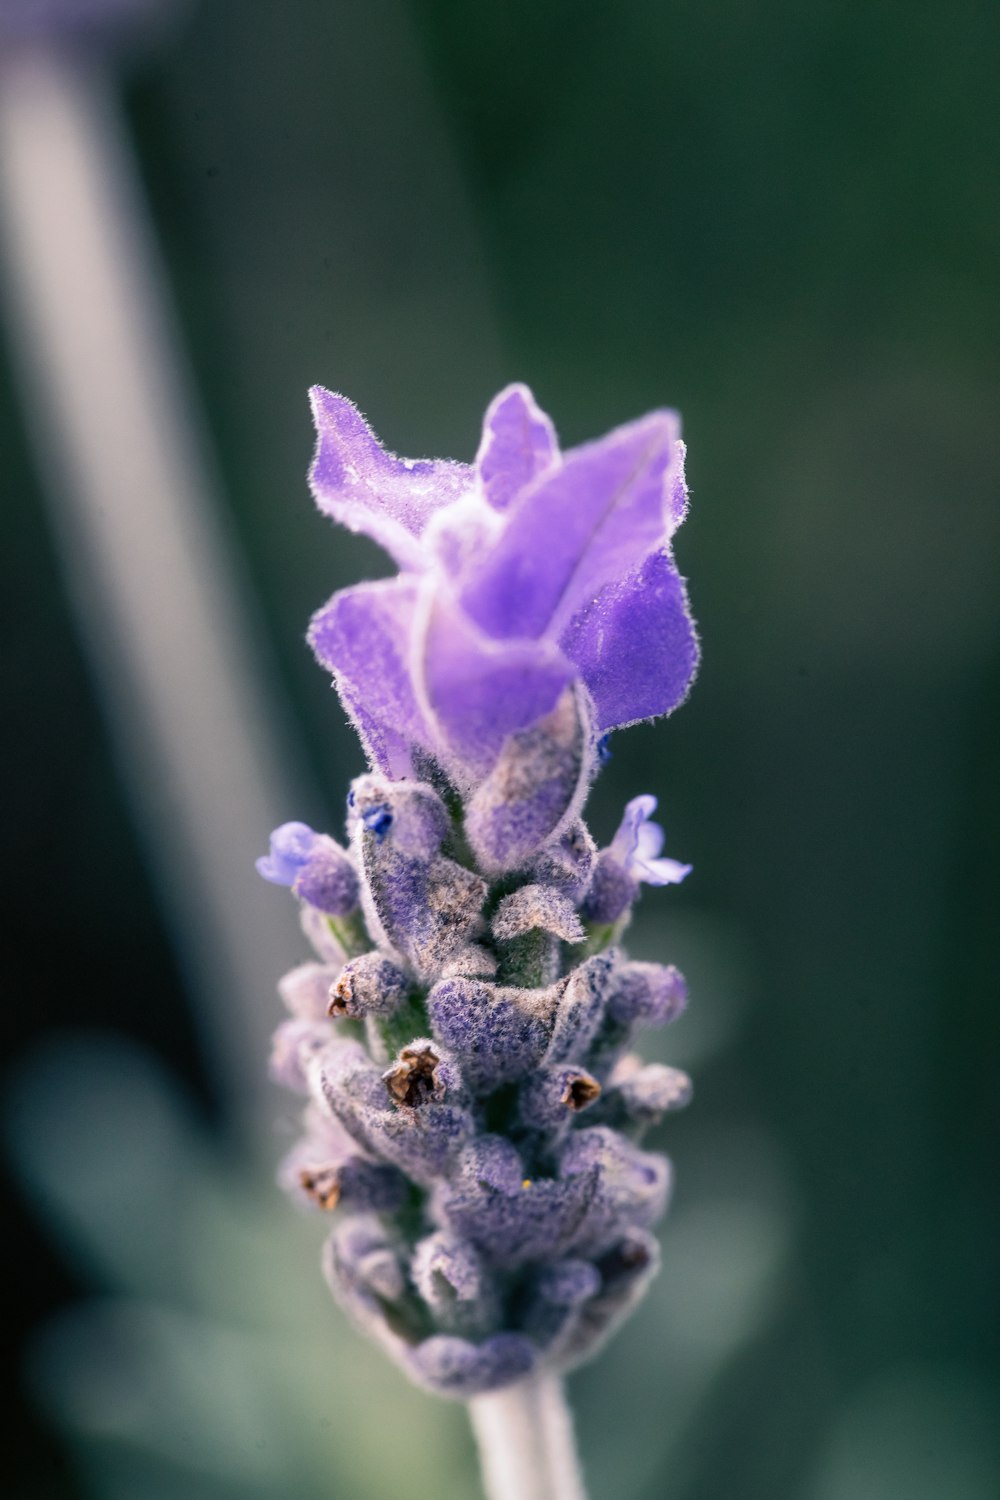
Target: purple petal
x=479, y=690
x=518, y=444
x=575, y=529
x=662, y=871
x=362, y=635
x=635, y=644
x=357, y=482
x=649, y=842
x=678, y=501
x=457, y=536
x=633, y=851
x=637, y=811
x=291, y=846
x=385, y=749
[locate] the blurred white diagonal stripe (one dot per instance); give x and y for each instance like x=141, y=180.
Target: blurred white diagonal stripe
x=161, y=602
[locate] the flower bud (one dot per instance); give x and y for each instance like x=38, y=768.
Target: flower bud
x=293, y=1044
x=539, y=908
x=568, y=862
x=357, y=1184
x=538, y=783
x=450, y=1277
x=498, y=1033
x=551, y=1098
x=581, y=1008
x=314, y=865
x=648, y=994
x=625, y=1271
x=370, y=985
x=511, y=1218
x=640, y=1095
x=632, y=1187
x=417, y=902
x=551, y=1302
x=451, y=1366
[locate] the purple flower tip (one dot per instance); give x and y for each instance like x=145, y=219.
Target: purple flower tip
x=314, y=865
x=291, y=846
x=524, y=574
x=637, y=845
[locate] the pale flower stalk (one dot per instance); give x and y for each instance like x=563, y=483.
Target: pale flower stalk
x=164, y=609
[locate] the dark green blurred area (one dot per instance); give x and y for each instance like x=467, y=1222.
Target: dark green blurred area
x=782, y=219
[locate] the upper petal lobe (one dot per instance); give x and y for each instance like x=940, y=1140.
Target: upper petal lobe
x=518, y=443
x=364, y=487
x=575, y=529
x=363, y=636
x=635, y=646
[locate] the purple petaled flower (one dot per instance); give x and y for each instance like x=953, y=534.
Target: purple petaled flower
x=465, y=1037
x=630, y=860
x=520, y=575
x=315, y=867
x=637, y=845
x=291, y=846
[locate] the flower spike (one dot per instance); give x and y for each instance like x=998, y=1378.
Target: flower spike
x=463, y=1036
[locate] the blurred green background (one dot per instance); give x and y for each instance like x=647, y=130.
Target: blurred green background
x=782, y=219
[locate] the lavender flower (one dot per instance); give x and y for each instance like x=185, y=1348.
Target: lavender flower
x=522, y=578
x=473, y=1101
x=315, y=867
x=631, y=859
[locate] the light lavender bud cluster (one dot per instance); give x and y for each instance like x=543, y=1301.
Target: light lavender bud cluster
x=463, y=1039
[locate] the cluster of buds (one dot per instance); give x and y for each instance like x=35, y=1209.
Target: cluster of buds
x=463, y=1038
